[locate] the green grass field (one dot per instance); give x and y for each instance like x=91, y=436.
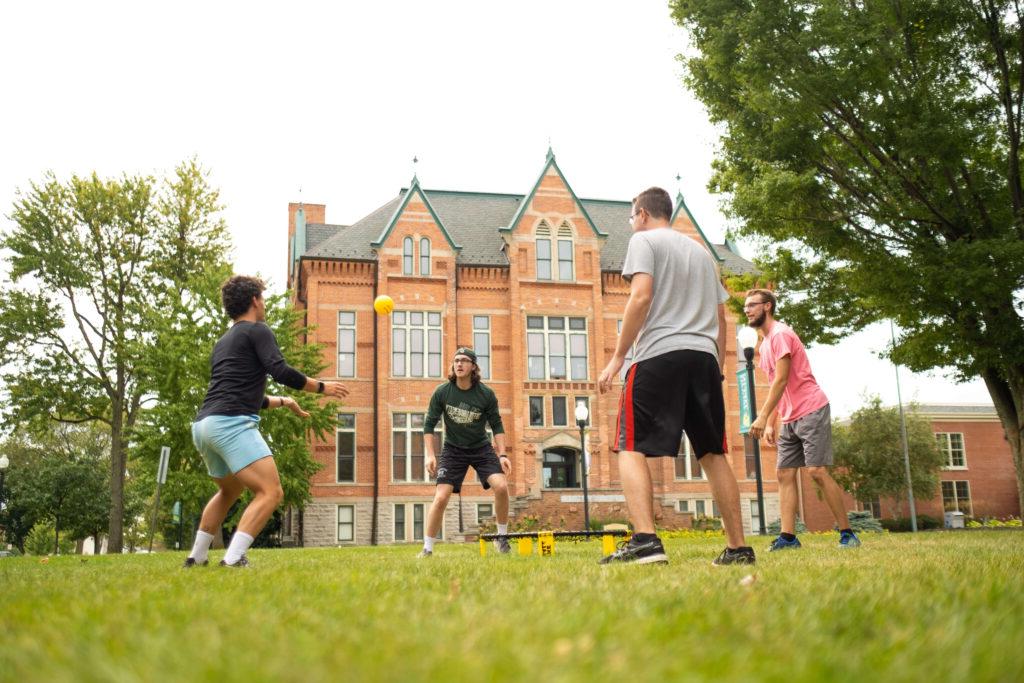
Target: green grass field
x=931, y=607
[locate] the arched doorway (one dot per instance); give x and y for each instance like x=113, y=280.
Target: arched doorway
x=561, y=468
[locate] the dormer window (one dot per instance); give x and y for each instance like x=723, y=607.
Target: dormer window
x=424, y=256
x=543, y=234
x=565, y=252
x=407, y=256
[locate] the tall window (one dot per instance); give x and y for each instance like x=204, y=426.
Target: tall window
x=558, y=411
x=956, y=495
x=417, y=522
x=345, y=447
x=748, y=456
x=416, y=344
x=952, y=446
x=482, y=344
x=565, y=252
x=346, y=344
x=399, y=521
x=407, y=454
x=755, y=517
x=424, y=256
x=484, y=511
x=873, y=506
x=561, y=468
x=536, y=411
x=556, y=347
x=346, y=523
x=543, y=251
x=687, y=465
x=407, y=256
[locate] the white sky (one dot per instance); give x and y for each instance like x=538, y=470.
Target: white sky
x=336, y=98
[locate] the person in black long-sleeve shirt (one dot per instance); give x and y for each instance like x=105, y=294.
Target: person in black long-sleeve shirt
x=225, y=429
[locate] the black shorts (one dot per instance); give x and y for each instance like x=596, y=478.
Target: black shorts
x=666, y=395
x=454, y=462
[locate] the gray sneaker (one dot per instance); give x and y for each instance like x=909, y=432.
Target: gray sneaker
x=424, y=553
x=242, y=563
x=502, y=546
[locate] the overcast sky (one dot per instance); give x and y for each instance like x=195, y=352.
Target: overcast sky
x=337, y=98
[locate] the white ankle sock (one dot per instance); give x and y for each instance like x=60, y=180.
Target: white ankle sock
x=240, y=542
x=503, y=528
x=201, y=547
x=428, y=543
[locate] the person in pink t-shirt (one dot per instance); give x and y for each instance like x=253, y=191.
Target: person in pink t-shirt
x=804, y=438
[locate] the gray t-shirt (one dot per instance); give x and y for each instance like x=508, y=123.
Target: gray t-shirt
x=687, y=292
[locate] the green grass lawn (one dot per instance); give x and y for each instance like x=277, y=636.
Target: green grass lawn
x=930, y=607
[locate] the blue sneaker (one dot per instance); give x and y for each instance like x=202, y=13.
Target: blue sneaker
x=782, y=544
x=848, y=539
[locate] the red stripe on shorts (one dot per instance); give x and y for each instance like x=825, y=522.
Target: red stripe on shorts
x=725, y=443
x=627, y=394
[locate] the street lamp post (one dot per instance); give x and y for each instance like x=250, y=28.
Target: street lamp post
x=582, y=414
x=748, y=340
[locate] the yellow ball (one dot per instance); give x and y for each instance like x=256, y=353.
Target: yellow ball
x=383, y=304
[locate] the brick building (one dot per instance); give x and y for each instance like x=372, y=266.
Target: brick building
x=978, y=479
x=533, y=283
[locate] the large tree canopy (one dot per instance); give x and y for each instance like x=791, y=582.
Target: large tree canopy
x=872, y=149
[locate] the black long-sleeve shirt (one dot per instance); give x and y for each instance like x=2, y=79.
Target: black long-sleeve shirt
x=241, y=361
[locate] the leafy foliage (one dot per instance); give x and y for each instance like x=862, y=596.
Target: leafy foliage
x=869, y=454
x=872, y=150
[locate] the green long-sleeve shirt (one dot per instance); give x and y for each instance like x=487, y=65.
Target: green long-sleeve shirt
x=466, y=413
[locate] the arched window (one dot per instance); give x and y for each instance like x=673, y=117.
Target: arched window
x=565, y=252
x=424, y=256
x=543, y=251
x=407, y=256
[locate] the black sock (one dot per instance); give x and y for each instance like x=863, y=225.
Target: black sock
x=645, y=538
x=846, y=531
x=788, y=537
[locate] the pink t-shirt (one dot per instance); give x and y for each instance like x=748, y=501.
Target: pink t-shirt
x=802, y=394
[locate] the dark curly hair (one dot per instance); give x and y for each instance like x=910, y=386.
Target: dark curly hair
x=237, y=292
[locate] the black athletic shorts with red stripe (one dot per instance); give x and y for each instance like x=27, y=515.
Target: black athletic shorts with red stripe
x=666, y=395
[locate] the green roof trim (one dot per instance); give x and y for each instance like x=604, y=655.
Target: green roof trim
x=414, y=187
x=681, y=204
x=529, y=198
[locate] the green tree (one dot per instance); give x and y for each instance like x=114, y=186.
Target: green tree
x=61, y=480
x=76, y=321
x=873, y=150
x=869, y=454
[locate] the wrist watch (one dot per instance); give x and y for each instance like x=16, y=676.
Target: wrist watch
x=320, y=387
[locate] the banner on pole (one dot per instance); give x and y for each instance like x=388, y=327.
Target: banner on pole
x=743, y=389
x=165, y=457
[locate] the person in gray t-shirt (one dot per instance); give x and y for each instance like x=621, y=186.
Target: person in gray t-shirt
x=673, y=387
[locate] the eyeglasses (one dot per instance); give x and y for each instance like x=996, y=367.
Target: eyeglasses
x=633, y=216
x=754, y=303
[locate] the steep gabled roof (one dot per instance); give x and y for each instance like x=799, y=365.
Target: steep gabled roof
x=548, y=164
x=414, y=189
x=681, y=206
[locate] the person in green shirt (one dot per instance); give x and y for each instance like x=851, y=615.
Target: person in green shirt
x=468, y=406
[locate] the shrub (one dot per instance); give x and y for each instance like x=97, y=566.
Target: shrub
x=861, y=520
x=903, y=523
x=40, y=541
x=707, y=523
x=776, y=527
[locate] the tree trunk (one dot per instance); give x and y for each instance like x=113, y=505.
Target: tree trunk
x=1008, y=397
x=115, y=534
x=56, y=536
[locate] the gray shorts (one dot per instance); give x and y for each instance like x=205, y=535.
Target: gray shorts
x=807, y=442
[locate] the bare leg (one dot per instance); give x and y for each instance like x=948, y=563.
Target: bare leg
x=262, y=479
x=437, y=508
x=639, y=491
x=727, y=495
x=500, y=487
x=833, y=494
x=788, y=497
x=229, y=489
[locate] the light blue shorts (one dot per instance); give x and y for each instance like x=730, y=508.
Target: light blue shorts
x=229, y=443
